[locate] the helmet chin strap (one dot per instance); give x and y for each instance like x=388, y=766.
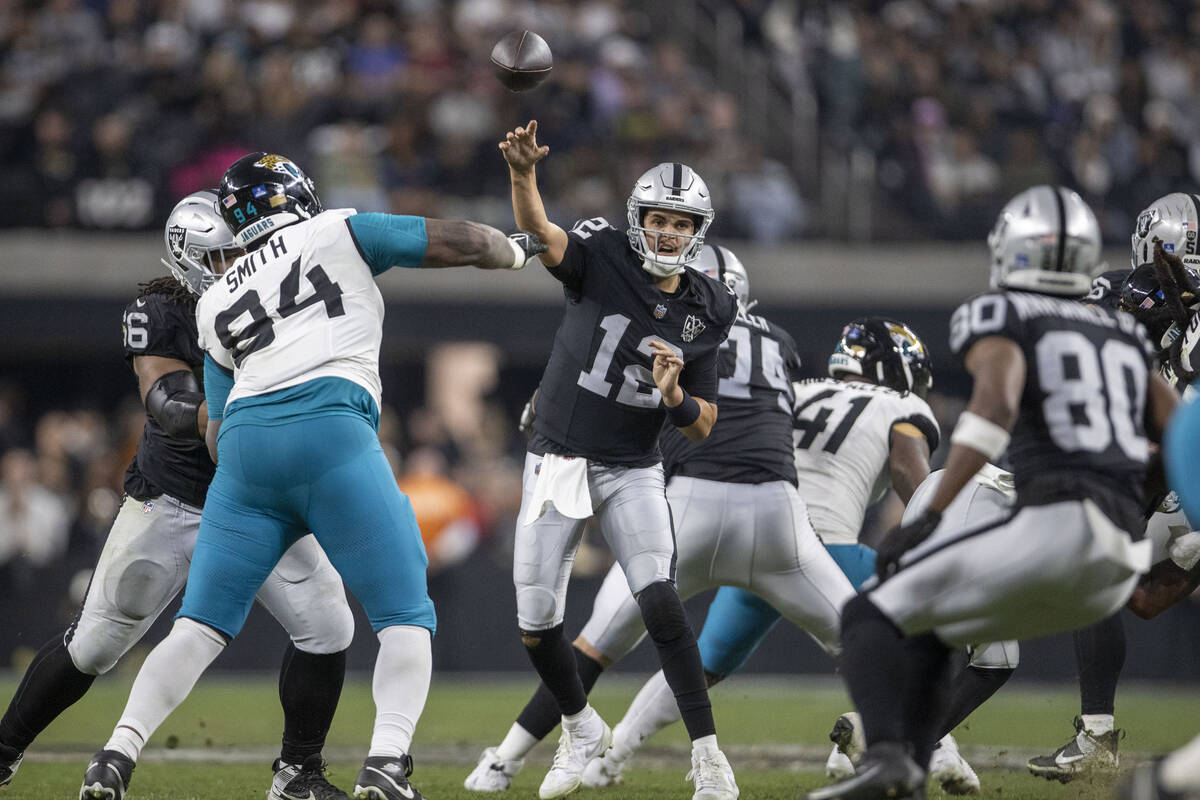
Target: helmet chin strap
x=661, y=270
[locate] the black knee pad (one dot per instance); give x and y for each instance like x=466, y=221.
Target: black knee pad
x=663, y=613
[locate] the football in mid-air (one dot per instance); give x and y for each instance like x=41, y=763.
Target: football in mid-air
x=522, y=60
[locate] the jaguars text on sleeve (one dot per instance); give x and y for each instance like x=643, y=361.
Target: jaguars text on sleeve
x=157, y=325
x=751, y=441
x=1082, y=410
x=597, y=398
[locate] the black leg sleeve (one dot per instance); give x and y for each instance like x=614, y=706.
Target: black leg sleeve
x=551, y=657
x=309, y=687
x=929, y=669
x=49, y=687
x=667, y=625
x=1100, y=653
x=970, y=689
x=873, y=666
x=541, y=716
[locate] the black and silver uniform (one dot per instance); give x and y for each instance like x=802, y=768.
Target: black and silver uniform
x=1106, y=288
x=597, y=397
x=751, y=441
x=158, y=325
x=1082, y=415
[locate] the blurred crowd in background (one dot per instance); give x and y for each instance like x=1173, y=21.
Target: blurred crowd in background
x=112, y=109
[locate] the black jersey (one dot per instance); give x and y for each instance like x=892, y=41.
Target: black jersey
x=751, y=441
x=157, y=325
x=597, y=397
x=1082, y=411
x=1106, y=288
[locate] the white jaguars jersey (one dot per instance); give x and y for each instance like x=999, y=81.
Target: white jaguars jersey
x=302, y=306
x=842, y=440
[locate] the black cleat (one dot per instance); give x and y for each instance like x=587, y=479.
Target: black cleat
x=107, y=776
x=1085, y=752
x=303, y=782
x=10, y=761
x=386, y=778
x=886, y=772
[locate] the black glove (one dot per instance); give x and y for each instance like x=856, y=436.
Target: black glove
x=901, y=539
x=527, y=243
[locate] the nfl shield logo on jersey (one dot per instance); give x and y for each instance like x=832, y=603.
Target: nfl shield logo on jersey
x=692, y=327
x=660, y=311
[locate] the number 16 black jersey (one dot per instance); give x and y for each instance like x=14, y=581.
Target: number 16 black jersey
x=1083, y=408
x=597, y=397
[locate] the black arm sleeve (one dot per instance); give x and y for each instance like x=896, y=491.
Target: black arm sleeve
x=699, y=378
x=174, y=402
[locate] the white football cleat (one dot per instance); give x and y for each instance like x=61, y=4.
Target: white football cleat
x=838, y=766
x=492, y=773
x=605, y=770
x=712, y=774
x=848, y=735
x=951, y=770
x=576, y=747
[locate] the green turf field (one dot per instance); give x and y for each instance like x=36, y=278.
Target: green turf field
x=220, y=743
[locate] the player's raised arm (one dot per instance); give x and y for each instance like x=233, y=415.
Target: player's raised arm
x=393, y=240
x=520, y=149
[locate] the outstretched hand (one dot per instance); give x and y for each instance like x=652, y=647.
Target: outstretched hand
x=520, y=148
x=901, y=539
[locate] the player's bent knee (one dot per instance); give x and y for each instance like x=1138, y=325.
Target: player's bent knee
x=646, y=568
x=537, y=608
x=95, y=655
x=663, y=613
x=332, y=632
x=141, y=588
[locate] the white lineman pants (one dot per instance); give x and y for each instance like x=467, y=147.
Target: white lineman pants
x=755, y=536
x=145, y=563
x=1045, y=569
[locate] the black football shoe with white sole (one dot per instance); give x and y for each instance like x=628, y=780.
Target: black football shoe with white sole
x=385, y=778
x=886, y=772
x=107, y=776
x=305, y=781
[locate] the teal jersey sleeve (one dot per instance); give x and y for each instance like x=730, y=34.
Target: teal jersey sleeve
x=218, y=383
x=388, y=240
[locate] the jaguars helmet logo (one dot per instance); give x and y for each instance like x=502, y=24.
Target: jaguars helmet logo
x=175, y=235
x=905, y=340
x=278, y=164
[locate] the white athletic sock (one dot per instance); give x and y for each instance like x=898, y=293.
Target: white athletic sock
x=1180, y=771
x=400, y=685
x=705, y=743
x=573, y=721
x=653, y=709
x=164, y=681
x=1097, y=724
x=516, y=744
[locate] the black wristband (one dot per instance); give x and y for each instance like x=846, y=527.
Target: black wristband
x=684, y=414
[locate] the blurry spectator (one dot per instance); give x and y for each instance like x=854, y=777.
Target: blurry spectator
x=764, y=199
x=33, y=520
x=117, y=190
x=445, y=511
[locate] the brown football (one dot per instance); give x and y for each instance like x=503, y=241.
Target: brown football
x=522, y=60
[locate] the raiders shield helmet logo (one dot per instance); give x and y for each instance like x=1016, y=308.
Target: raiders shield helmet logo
x=1145, y=222
x=175, y=235
x=692, y=327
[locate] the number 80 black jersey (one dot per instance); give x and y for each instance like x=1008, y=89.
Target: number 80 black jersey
x=1087, y=370
x=597, y=397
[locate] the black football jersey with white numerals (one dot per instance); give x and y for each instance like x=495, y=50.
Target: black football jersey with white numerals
x=751, y=441
x=597, y=397
x=1083, y=408
x=157, y=325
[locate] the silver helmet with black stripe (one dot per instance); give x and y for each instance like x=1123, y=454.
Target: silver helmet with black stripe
x=1174, y=218
x=670, y=186
x=199, y=243
x=721, y=264
x=1046, y=240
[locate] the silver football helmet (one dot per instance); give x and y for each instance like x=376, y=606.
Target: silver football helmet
x=1174, y=218
x=199, y=243
x=674, y=187
x=1045, y=240
x=721, y=264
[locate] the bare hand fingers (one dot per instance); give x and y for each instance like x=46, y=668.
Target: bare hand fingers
x=532, y=127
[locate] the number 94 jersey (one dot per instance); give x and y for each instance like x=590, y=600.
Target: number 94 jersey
x=597, y=397
x=1083, y=407
x=302, y=306
x=843, y=438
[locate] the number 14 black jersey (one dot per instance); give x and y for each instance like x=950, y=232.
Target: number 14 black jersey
x=597, y=397
x=1084, y=404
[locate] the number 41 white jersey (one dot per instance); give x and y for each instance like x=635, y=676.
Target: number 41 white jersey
x=842, y=440
x=302, y=306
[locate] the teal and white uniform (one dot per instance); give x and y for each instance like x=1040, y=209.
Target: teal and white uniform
x=291, y=334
